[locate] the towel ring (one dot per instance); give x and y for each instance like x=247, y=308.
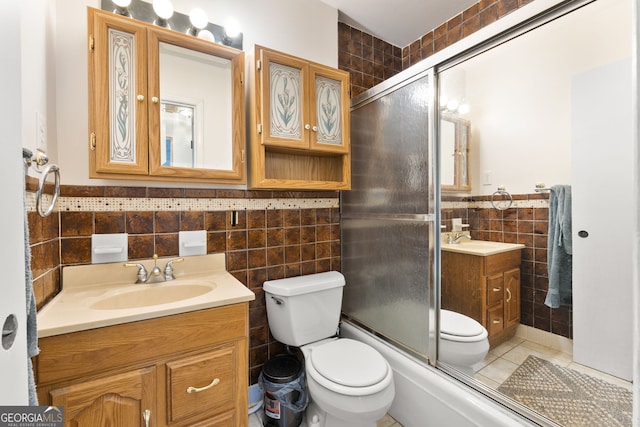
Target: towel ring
x=43, y=178
x=501, y=191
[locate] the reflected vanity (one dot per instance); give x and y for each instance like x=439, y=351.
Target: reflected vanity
x=163, y=105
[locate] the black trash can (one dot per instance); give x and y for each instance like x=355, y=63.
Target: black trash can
x=285, y=391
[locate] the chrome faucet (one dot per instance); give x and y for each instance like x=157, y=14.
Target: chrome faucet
x=454, y=239
x=156, y=273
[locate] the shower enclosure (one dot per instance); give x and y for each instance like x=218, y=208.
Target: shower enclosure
x=388, y=217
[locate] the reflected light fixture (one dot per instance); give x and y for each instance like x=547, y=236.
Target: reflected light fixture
x=122, y=7
x=164, y=11
x=198, y=19
x=231, y=28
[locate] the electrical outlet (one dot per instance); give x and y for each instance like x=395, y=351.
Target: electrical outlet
x=41, y=132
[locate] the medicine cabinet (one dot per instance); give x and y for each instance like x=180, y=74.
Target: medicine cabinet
x=163, y=105
x=454, y=158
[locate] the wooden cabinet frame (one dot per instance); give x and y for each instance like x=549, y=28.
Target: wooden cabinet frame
x=295, y=158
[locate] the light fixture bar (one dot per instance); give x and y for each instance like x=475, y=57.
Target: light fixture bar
x=143, y=11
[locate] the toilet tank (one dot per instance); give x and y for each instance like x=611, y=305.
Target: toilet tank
x=304, y=309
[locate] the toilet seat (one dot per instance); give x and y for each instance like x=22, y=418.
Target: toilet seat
x=458, y=327
x=349, y=367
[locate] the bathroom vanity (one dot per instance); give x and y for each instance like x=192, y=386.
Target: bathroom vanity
x=482, y=280
x=181, y=362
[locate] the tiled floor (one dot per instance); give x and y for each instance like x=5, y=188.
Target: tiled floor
x=505, y=358
x=255, y=420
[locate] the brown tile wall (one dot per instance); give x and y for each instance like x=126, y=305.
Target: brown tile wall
x=263, y=245
x=371, y=60
x=528, y=226
x=368, y=59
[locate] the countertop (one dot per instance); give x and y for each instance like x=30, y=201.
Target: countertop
x=83, y=286
x=480, y=247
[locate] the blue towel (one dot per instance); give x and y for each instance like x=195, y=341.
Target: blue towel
x=32, y=326
x=559, y=248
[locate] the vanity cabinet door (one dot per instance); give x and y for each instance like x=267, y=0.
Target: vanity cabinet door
x=116, y=400
x=512, y=297
x=118, y=95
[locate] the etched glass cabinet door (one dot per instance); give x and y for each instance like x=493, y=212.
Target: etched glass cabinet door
x=304, y=105
x=120, y=111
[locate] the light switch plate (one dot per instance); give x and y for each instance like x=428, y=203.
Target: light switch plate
x=109, y=248
x=192, y=242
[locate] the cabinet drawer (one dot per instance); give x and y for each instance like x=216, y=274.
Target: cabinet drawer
x=495, y=289
x=202, y=384
x=495, y=320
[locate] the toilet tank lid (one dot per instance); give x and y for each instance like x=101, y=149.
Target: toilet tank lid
x=304, y=284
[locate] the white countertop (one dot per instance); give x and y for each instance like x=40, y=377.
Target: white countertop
x=83, y=286
x=480, y=247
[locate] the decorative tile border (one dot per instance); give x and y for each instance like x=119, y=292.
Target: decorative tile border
x=535, y=203
x=131, y=204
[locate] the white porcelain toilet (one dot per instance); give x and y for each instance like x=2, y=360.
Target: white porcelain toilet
x=350, y=383
x=463, y=342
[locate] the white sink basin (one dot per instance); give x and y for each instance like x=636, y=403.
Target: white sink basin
x=149, y=295
x=480, y=247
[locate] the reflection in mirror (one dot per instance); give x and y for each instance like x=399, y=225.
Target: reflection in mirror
x=178, y=133
x=530, y=125
x=203, y=82
x=454, y=150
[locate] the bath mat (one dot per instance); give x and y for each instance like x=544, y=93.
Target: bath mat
x=568, y=397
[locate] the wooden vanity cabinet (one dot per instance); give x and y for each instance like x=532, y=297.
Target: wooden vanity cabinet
x=300, y=124
x=485, y=288
x=187, y=369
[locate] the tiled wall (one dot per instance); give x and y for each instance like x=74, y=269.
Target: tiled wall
x=370, y=60
x=277, y=235
x=526, y=222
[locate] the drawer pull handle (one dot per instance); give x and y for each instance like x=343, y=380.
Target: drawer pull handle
x=508, y=295
x=146, y=416
x=495, y=322
x=207, y=387
x=497, y=289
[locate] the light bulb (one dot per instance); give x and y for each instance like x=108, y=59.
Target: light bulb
x=452, y=105
x=198, y=18
x=231, y=28
x=206, y=35
x=163, y=8
x=122, y=3
x=464, y=108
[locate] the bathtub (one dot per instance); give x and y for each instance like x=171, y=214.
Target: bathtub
x=426, y=397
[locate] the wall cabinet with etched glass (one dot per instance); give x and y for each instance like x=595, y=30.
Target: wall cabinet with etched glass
x=300, y=124
x=163, y=105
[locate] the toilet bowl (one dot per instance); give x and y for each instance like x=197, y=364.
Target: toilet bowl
x=350, y=384
x=463, y=342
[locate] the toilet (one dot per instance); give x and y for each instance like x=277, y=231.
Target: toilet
x=463, y=343
x=350, y=384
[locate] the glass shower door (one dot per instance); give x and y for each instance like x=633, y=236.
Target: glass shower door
x=388, y=216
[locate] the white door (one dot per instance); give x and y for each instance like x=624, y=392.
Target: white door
x=602, y=189
x=13, y=351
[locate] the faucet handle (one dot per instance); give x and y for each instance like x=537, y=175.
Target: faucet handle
x=142, y=272
x=168, y=269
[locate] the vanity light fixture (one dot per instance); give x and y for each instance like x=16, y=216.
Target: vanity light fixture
x=198, y=19
x=453, y=106
x=122, y=7
x=164, y=11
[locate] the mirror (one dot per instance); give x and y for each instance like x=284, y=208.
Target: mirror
x=454, y=157
x=195, y=114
